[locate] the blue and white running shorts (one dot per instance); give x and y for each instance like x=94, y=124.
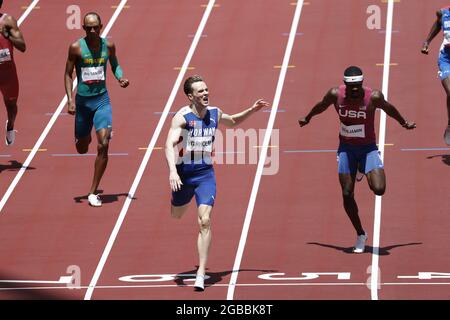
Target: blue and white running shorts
x=202, y=184
x=363, y=158
x=444, y=63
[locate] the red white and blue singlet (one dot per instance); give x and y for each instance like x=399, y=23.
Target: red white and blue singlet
x=357, y=148
x=444, y=52
x=194, y=165
x=357, y=122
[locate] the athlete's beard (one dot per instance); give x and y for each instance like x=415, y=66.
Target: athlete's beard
x=355, y=92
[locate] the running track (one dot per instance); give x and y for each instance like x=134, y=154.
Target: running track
x=296, y=220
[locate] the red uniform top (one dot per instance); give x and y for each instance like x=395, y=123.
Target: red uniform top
x=6, y=48
x=9, y=84
x=357, y=123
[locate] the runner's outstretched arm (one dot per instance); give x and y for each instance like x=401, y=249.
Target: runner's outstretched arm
x=329, y=99
x=435, y=29
x=237, y=118
x=379, y=102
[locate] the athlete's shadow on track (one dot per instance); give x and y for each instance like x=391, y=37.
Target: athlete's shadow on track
x=445, y=158
x=214, y=277
x=106, y=198
x=13, y=165
x=383, y=251
x=21, y=291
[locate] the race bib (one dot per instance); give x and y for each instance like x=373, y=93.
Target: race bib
x=5, y=55
x=355, y=131
x=199, y=144
x=93, y=74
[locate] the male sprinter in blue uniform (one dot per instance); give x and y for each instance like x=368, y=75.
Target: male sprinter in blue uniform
x=193, y=173
x=357, y=151
x=442, y=22
x=92, y=106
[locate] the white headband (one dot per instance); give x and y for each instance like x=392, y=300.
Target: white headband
x=352, y=79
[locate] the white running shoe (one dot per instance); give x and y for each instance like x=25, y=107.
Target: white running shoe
x=94, y=200
x=199, y=284
x=360, y=243
x=10, y=135
x=447, y=135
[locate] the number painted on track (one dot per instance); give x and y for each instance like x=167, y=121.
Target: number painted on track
x=158, y=277
x=305, y=276
x=427, y=276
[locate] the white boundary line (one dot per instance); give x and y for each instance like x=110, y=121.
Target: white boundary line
x=381, y=141
x=148, y=153
x=27, y=12
x=175, y=286
x=52, y=120
x=262, y=158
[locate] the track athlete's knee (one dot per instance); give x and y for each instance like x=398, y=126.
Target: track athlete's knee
x=82, y=144
x=204, y=223
x=176, y=213
x=82, y=148
x=347, y=194
x=102, y=148
x=379, y=189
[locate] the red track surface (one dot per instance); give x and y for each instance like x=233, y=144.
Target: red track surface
x=47, y=226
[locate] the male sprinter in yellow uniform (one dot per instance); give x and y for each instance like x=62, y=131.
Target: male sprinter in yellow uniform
x=89, y=56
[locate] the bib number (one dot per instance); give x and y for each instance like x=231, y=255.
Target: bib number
x=355, y=131
x=5, y=55
x=93, y=74
x=199, y=144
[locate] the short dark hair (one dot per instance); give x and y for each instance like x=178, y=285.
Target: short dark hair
x=92, y=13
x=188, y=83
x=353, y=71
x=1, y=2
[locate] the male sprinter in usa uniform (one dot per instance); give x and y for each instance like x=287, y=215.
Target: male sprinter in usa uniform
x=442, y=22
x=10, y=38
x=89, y=56
x=356, y=107
x=192, y=173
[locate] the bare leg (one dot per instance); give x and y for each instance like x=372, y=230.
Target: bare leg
x=179, y=211
x=347, y=182
x=377, y=181
x=446, y=85
x=102, y=157
x=11, y=109
x=204, y=236
x=82, y=144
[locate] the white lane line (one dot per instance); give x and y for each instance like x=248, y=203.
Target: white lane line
x=51, y=122
x=174, y=286
x=114, y=154
x=381, y=141
x=27, y=12
x=62, y=280
x=148, y=153
x=262, y=158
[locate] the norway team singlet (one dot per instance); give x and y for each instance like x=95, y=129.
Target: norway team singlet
x=445, y=22
x=357, y=123
x=197, y=140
